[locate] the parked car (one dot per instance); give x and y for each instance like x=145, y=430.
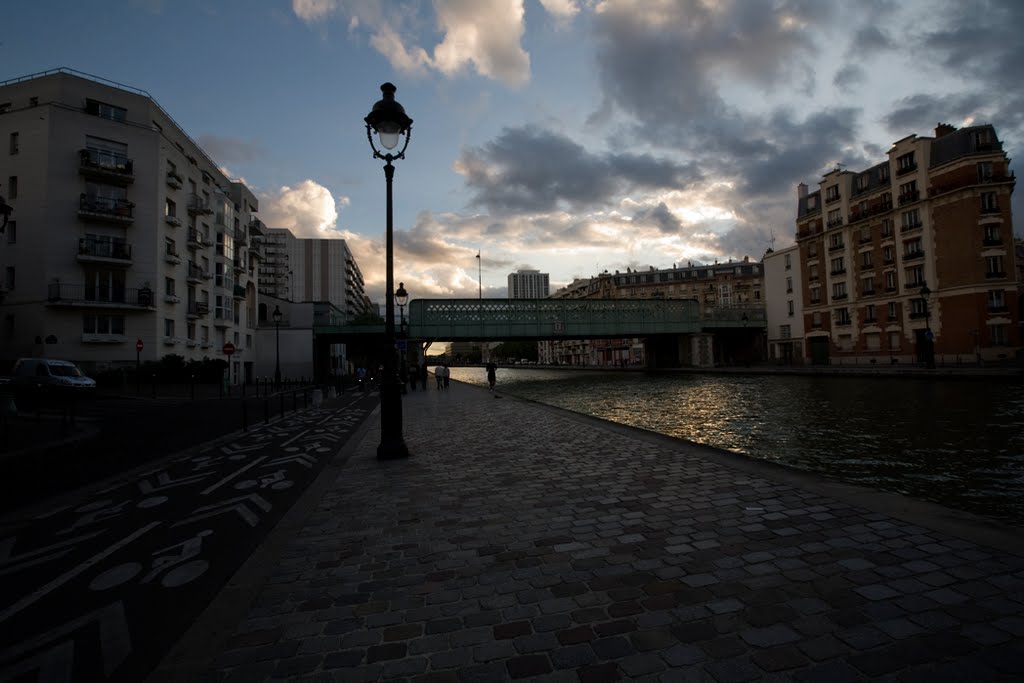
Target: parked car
x=49, y=380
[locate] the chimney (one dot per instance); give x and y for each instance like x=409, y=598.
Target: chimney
x=801, y=191
x=943, y=129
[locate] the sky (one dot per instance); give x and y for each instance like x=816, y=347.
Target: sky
x=566, y=136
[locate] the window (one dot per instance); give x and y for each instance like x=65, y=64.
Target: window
x=865, y=234
x=985, y=171
x=867, y=286
x=835, y=241
x=996, y=300
x=9, y=278
x=890, y=281
x=869, y=313
x=103, y=324
x=989, y=202
x=789, y=306
x=12, y=187
x=863, y=181
x=982, y=139
x=915, y=276
x=13, y=149
x=787, y=261
x=911, y=219
x=865, y=260
x=785, y=332
x=912, y=248
x=883, y=172
x=998, y=335
x=893, y=312
x=839, y=290
x=816, y=319
x=831, y=193
x=812, y=271
x=815, y=295
x=838, y=266
x=918, y=308
x=842, y=316
x=994, y=266
x=190, y=331
x=887, y=255
x=991, y=238
x=812, y=202
x=812, y=250
x=170, y=247
x=872, y=341
x=886, y=227
x=12, y=232
x=170, y=208
x=106, y=111
x=169, y=286
x=894, y=341
x=168, y=327
x=835, y=217
x=789, y=285
x=905, y=163
x=908, y=192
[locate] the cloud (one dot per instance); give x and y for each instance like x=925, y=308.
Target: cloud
x=561, y=8
x=314, y=10
x=230, y=150
x=532, y=169
x=308, y=210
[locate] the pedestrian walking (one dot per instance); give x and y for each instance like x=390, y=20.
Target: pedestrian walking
x=439, y=375
x=413, y=377
x=447, y=374
x=492, y=375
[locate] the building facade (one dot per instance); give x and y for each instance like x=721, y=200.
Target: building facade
x=784, y=306
x=126, y=239
x=308, y=269
x=528, y=284
x=912, y=260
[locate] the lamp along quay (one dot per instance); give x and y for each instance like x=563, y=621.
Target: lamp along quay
x=388, y=120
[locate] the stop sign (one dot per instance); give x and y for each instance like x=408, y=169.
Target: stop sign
x=229, y=348
x=138, y=345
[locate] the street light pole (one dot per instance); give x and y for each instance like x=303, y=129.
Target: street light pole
x=277, y=347
x=389, y=120
x=402, y=298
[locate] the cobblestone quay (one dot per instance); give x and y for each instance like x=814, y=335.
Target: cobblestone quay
x=522, y=541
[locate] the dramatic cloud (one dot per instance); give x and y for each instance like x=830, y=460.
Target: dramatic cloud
x=308, y=210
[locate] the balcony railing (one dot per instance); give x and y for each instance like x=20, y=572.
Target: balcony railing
x=195, y=238
x=839, y=271
x=93, y=163
x=241, y=239
x=907, y=227
x=239, y=292
x=989, y=209
x=836, y=247
x=994, y=275
x=172, y=257
x=834, y=223
x=913, y=255
x=172, y=221
x=998, y=308
x=195, y=273
x=89, y=250
x=174, y=179
x=239, y=265
x=908, y=168
x=909, y=197
x=992, y=242
x=106, y=208
x=198, y=206
x=917, y=315
x=198, y=309
x=59, y=293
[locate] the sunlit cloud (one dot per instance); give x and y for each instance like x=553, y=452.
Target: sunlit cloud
x=308, y=209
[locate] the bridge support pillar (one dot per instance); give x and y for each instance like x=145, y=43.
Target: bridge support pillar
x=702, y=350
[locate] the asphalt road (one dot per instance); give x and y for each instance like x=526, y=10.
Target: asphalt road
x=98, y=584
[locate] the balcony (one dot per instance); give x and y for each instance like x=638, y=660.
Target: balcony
x=239, y=292
x=838, y=297
x=61, y=294
x=172, y=221
x=172, y=257
x=868, y=292
x=989, y=209
x=909, y=197
x=171, y=299
x=221, y=322
x=105, y=166
x=870, y=320
x=909, y=227
x=106, y=209
x=913, y=255
x=834, y=223
x=992, y=242
x=843, y=322
x=836, y=247
x=890, y=289
x=174, y=180
x=905, y=169
x=112, y=253
x=835, y=197
x=998, y=308
x=195, y=239
x=196, y=275
x=840, y=271
x=241, y=239
x=918, y=315
x=198, y=309
x=239, y=265
x=197, y=206
x=995, y=275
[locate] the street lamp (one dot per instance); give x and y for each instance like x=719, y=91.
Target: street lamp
x=401, y=298
x=388, y=120
x=929, y=351
x=277, y=346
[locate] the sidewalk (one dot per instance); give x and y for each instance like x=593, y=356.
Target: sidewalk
x=522, y=541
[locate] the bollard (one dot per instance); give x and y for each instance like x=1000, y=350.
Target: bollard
x=245, y=416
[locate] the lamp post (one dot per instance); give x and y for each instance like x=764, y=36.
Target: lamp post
x=929, y=352
x=389, y=121
x=277, y=347
x=401, y=298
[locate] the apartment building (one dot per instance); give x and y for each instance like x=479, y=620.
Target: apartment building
x=784, y=306
x=308, y=269
x=912, y=259
x=528, y=284
x=126, y=239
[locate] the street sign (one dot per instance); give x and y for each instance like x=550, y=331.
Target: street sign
x=229, y=348
x=138, y=345
x=929, y=335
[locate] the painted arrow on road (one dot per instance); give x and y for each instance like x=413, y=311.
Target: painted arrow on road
x=232, y=505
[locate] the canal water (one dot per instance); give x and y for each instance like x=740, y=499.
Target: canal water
x=958, y=442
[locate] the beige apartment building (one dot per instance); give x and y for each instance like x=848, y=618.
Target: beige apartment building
x=912, y=260
x=124, y=235
x=784, y=306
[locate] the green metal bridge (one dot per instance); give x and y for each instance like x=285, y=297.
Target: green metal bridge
x=537, y=319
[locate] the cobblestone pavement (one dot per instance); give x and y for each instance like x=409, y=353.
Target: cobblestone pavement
x=522, y=541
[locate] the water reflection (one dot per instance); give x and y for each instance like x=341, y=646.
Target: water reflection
x=956, y=442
